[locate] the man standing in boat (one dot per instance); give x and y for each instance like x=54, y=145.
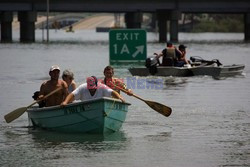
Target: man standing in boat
x=169, y=55
x=91, y=90
x=114, y=83
x=52, y=84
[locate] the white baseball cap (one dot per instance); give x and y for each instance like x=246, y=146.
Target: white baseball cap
x=54, y=67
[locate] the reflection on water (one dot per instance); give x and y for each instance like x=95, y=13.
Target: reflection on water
x=88, y=143
x=31, y=147
x=161, y=137
x=56, y=137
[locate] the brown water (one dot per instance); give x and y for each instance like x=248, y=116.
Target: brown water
x=209, y=126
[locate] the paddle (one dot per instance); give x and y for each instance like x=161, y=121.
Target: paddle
x=160, y=108
x=18, y=112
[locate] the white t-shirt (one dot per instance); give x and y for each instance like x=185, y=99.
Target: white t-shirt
x=82, y=93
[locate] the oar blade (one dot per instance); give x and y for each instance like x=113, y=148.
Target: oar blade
x=14, y=114
x=160, y=108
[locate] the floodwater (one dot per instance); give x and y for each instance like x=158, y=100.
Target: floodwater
x=209, y=125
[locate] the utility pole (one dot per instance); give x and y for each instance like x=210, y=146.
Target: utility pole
x=47, y=21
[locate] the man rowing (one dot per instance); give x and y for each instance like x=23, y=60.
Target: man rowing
x=52, y=84
x=114, y=83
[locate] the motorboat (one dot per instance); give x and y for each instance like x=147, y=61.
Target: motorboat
x=198, y=66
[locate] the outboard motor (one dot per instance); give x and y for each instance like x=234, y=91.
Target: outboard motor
x=151, y=64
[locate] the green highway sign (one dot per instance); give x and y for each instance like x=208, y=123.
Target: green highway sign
x=127, y=45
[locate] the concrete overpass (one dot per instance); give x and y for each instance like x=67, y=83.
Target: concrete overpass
x=165, y=10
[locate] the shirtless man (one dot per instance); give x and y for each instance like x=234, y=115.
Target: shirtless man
x=52, y=84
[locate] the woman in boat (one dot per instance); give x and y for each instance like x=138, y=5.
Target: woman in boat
x=68, y=77
x=91, y=90
x=112, y=82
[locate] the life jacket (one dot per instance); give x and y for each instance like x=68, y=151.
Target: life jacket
x=169, y=57
x=171, y=52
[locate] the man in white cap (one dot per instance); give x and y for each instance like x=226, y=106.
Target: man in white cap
x=52, y=84
x=91, y=90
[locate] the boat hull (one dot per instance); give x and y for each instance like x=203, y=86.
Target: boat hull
x=98, y=116
x=162, y=71
x=221, y=71
x=231, y=70
x=215, y=71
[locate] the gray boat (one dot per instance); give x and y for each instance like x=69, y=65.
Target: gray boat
x=198, y=66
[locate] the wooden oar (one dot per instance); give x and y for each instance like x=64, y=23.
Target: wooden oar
x=18, y=112
x=160, y=108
